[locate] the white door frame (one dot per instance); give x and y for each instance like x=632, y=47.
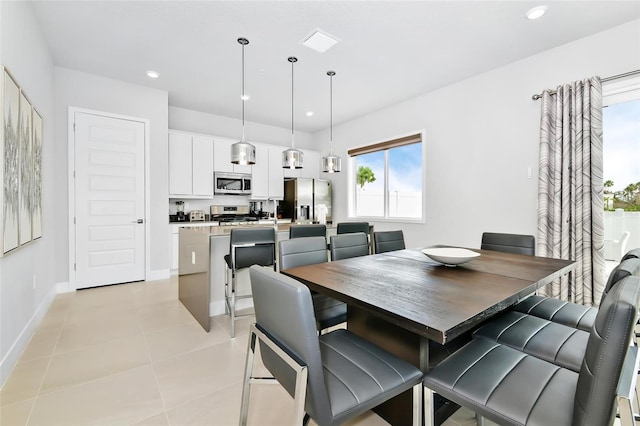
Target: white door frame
x=72, y=189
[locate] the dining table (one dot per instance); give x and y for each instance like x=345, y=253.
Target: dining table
x=414, y=306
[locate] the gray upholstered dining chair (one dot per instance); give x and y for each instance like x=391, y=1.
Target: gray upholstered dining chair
x=633, y=253
x=309, y=251
x=508, y=243
x=384, y=241
x=333, y=377
x=514, y=388
x=313, y=230
x=351, y=227
x=573, y=314
x=349, y=245
x=246, y=247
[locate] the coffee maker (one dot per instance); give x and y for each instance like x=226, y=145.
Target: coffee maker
x=255, y=208
x=180, y=217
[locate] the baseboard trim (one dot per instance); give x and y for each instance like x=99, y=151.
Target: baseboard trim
x=65, y=287
x=158, y=274
x=13, y=354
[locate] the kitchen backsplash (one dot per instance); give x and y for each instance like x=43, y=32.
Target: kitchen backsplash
x=220, y=200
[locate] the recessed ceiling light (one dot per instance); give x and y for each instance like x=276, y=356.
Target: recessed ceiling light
x=536, y=12
x=309, y=113
x=319, y=41
x=152, y=74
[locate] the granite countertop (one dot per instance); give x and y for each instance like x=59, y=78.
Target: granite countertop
x=222, y=231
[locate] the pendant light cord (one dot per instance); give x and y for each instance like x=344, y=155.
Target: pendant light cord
x=331, y=74
x=292, y=138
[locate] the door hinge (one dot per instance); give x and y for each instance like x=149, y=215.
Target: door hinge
x=74, y=126
x=74, y=266
x=74, y=220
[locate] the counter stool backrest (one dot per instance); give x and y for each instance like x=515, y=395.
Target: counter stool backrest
x=385, y=241
x=252, y=247
x=301, y=231
x=349, y=245
x=508, y=243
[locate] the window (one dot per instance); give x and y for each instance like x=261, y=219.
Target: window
x=388, y=179
x=621, y=167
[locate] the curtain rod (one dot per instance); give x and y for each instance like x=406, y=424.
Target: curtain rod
x=613, y=77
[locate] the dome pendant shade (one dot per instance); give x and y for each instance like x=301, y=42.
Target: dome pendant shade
x=331, y=163
x=292, y=158
x=242, y=152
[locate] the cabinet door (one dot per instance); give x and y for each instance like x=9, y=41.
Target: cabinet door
x=222, y=155
x=260, y=173
x=276, y=175
x=174, y=250
x=202, y=166
x=311, y=164
x=180, y=153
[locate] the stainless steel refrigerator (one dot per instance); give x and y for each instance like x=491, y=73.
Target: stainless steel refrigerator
x=307, y=200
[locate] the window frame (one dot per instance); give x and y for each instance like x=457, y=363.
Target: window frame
x=385, y=145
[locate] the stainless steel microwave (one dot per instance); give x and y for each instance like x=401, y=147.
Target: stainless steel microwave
x=231, y=183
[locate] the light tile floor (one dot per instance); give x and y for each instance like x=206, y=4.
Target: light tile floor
x=131, y=354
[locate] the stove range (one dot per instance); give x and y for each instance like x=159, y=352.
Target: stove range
x=228, y=220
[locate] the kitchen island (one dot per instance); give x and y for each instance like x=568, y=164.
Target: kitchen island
x=201, y=268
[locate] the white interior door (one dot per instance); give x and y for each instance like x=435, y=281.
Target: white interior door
x=109, y=200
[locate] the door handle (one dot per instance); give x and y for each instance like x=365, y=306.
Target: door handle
x=138, y=221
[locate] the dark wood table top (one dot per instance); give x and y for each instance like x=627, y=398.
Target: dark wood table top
x=439, y=302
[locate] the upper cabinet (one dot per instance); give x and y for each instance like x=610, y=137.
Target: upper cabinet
x=222, y=158
x=267, y=178
x=190, y=165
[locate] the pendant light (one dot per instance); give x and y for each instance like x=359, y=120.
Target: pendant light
x=292, y=157
x=242, y=152
x=331, y=163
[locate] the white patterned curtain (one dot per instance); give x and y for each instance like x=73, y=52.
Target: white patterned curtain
x=570, y=189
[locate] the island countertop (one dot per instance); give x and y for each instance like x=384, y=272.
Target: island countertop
x=223, y=231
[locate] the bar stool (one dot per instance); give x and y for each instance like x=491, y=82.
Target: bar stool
x=247, y=247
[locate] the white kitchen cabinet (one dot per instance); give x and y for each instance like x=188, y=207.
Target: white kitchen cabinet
x=222, y=157
x=180, y=155
x=190, y=165
x=174, y=246
x=260, y=173
x=267, y=177
x=276, y=175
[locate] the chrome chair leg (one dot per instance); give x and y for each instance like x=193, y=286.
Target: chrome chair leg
x=418, y=391
x=246, y=383
x=479, y=420
x=429, y=408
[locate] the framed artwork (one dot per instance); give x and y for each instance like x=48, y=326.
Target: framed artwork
x=36, y=193
x=10, y=162
x=25, y=145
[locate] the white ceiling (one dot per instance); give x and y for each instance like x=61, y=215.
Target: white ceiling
x=389, y=50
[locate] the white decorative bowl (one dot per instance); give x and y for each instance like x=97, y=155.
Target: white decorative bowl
x=450, y=255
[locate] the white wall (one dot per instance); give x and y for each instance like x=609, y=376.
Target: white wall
x=24, y=53
x=82, y=90
x=481, y=136
x=218, y=125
